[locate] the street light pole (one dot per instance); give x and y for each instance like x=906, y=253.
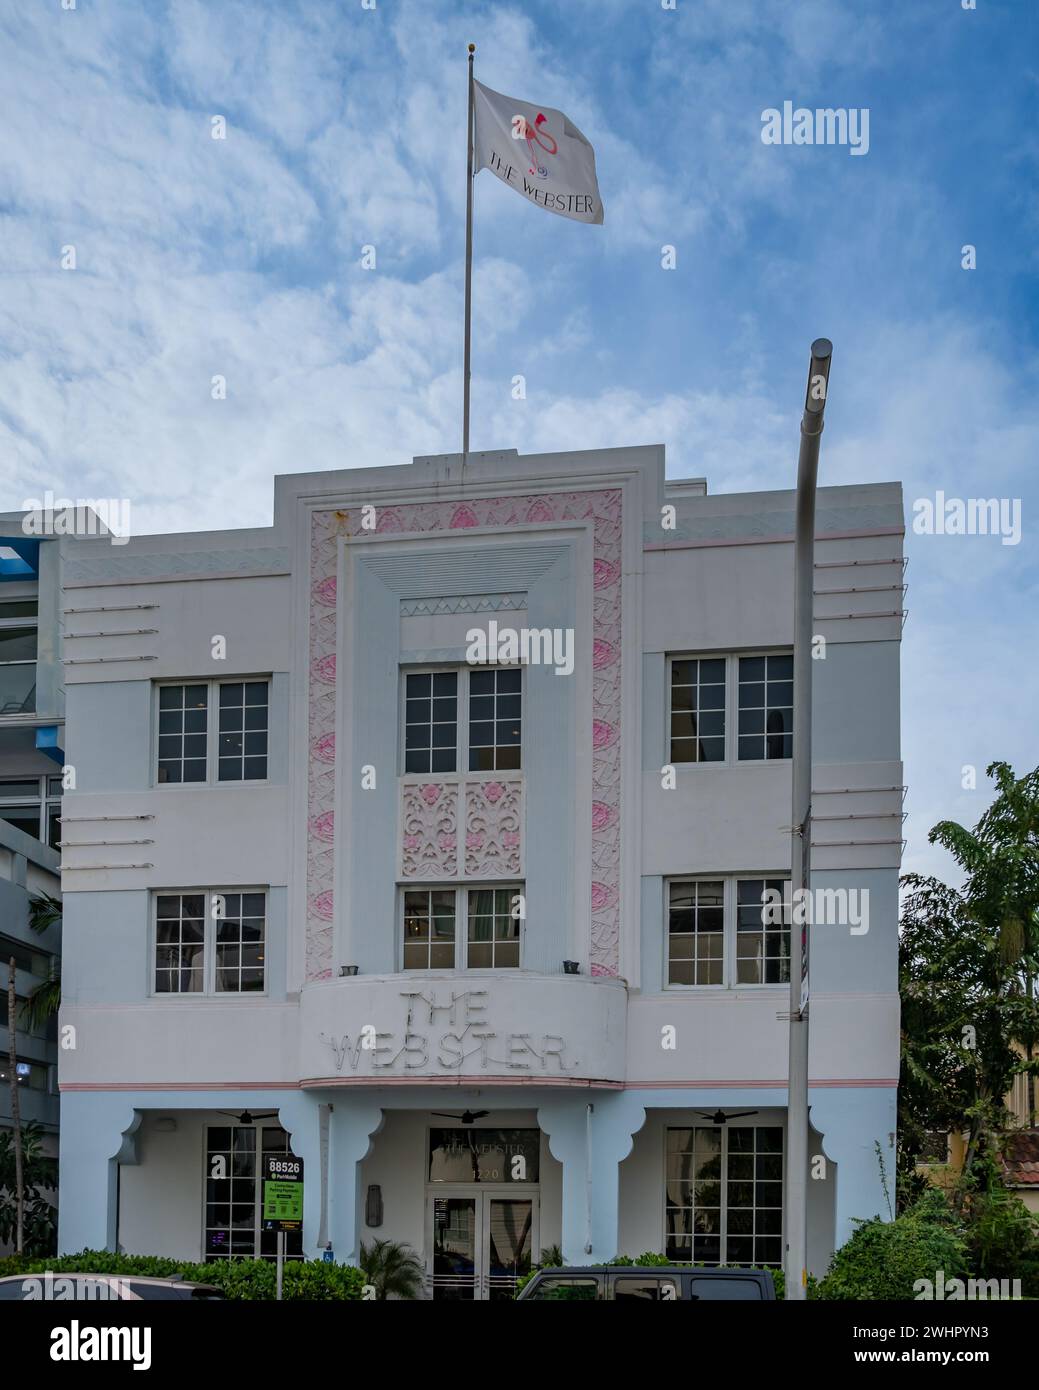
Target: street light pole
x=795, y=1264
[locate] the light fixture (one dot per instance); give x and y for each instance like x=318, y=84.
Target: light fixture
x=373, y=1207
x=348, y=970
x=571, y=967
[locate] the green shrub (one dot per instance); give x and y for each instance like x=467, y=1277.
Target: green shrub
x=312, y=1280
x=1003, y=1239
x=883, y=1259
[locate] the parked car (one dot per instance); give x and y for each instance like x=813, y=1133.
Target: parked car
x=657, y=1283
x=101, y=1288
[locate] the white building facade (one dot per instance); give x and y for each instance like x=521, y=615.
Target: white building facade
x=482, y=941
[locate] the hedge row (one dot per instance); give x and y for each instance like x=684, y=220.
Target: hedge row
x=313, y=1280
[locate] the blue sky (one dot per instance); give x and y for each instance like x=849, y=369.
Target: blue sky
x=345, y=127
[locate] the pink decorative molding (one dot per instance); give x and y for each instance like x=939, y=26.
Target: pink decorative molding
x=493, y=828
x=429, y=830
x=603, y=508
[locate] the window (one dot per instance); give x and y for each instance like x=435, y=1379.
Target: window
x=431, y=722
x=429, y=929
x=701, y=689
x=493, y=929
x=762, y=931
x=644, y=1289
x=233, y=1206
x=724, y=1192
x=26, y=957
x=728, y=931
x=33, y=804
x=210, y=942
x=484, y=706
x=32, y=1075
x=494, y=719
x=698, y=711
x=566, y=1287
x=18, y=623
x=477, y=928
x=242, y=748
x=191, y=749
x=766, y=704
x=696, y=927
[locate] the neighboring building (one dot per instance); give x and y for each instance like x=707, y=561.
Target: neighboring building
x=322, y=871
x=31, y=719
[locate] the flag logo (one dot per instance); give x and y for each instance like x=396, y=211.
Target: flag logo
x=537, y=135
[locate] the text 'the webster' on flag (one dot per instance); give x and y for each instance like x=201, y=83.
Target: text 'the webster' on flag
x=538, y=152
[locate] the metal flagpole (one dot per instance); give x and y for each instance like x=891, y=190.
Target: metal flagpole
x=795, y=1261
x=468, y=264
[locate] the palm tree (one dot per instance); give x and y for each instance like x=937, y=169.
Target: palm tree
x=45, y=1000
x=392, y=1268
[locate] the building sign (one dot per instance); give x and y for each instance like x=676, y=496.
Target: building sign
x=445, y=1032
x=282, y=1191
x=484, y=1155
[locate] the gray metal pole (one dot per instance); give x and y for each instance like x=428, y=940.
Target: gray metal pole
x=468, y=262
x=795, y=1264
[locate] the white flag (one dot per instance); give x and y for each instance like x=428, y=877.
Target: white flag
x=538, y=152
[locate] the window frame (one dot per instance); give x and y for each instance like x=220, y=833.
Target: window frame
x=461, y=938
x=462, y=670
x=208, y=990
x=45, y=800
x=212, y=777
x=730, y=930
x=724, y=1181
x=731, y=657
x=258, y=1151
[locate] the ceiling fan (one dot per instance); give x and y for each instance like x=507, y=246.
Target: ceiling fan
x=247, y=1117
x=466, y=1117
x=719, y=1117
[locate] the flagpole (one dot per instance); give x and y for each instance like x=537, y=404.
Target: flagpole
x=468, y=264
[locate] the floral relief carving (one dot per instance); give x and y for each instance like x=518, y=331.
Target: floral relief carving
x=493, y=828
x=429, y=830
x=433, y=835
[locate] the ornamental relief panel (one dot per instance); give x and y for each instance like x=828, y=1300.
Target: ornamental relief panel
x=490, y=845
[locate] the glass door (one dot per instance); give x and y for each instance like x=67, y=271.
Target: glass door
x=455, y=1247
x=507, y=1240
x=482, y=1243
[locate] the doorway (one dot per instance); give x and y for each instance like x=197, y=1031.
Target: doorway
x=481, y=1242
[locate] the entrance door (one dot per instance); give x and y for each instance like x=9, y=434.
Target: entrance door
x=482, y=1242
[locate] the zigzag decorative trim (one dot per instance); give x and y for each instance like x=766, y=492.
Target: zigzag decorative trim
x=461, y=603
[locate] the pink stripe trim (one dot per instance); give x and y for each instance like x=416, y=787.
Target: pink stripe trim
x=438, y=1082
x=773, y=540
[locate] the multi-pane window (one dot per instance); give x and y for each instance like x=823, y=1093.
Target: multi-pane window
x=210, y=942
x=33, y=804
x=429, y=929
x=233, y=1207
x=495, y=719
x=698, y=710
x=470, y=718
x=242, y=745
x=766, y=707
x=180, y=932
x=431, y=721
x=696, y=933
x=479, y=928
x=183, y=732
x=493, y=929
x=725, y=1194
x=18, y=623
x=729, y=931
x=190, y=749
x=762, y=931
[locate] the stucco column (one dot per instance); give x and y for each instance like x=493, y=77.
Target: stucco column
x=353, y=1123
x=305, y=1119
x=590, y=1135
x=853, y=1120
x=97, y=1134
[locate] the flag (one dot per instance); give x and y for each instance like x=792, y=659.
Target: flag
x=538, y=152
